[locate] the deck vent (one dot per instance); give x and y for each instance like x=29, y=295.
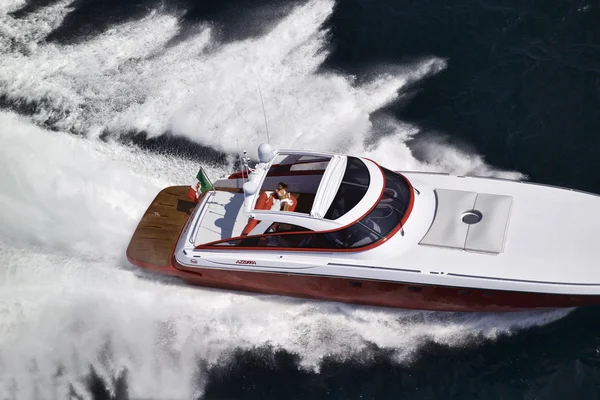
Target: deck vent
x=471, y=217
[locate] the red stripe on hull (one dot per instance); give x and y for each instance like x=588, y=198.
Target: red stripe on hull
x=374, y=293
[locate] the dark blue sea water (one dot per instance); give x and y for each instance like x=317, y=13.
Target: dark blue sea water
x=519, y=90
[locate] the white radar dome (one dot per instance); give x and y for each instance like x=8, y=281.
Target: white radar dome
x=265, y=153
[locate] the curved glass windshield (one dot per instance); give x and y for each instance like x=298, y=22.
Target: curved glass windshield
x=382, y=219
x=374, y=226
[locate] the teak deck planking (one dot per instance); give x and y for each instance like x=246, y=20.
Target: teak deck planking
x=158, y=231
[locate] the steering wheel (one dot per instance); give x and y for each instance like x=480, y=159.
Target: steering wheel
x=381, y=207
x=389, y=195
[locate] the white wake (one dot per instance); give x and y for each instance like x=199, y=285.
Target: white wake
x=127, y=79
x=69, y=301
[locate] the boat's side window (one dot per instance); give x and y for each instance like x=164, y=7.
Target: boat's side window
x=354, y=236
x=293, y=236
x=277, y=227
x=287, y=240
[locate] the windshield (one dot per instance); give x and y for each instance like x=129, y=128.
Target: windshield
x=391, y=208
x=382, y=219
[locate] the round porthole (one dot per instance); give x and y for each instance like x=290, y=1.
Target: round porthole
x=471, y=217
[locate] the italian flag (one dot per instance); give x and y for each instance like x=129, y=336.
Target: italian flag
x=201, y=184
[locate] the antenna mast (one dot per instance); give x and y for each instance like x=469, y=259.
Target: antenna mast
x=264, y=112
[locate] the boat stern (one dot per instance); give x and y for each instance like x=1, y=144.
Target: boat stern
x=154, y=240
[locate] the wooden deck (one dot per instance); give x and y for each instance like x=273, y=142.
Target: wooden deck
x=158, y=231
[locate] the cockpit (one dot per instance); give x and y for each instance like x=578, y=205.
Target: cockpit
x=343, y=204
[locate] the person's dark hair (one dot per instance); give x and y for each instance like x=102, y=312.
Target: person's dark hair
x=283, y=185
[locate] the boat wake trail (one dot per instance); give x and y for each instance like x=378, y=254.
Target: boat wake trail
x=145, y=76
x=70, y=303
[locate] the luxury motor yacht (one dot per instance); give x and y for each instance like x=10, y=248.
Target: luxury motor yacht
x=357, y=232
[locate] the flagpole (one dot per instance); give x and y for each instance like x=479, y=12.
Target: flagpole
x=242, y=163
x=207, y=177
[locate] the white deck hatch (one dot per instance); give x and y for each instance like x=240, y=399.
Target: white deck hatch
x=487, y=235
